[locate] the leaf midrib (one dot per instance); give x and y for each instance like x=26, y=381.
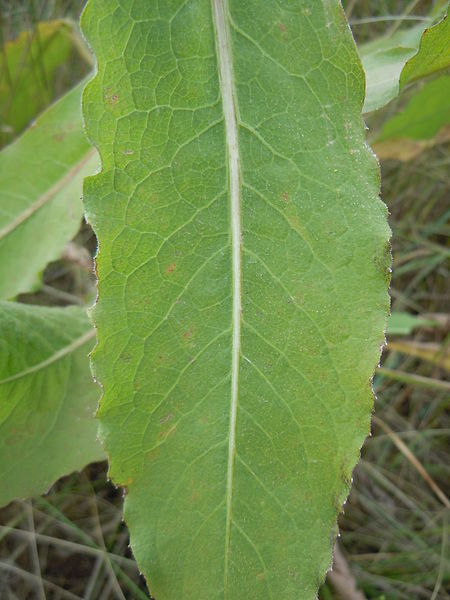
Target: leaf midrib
x=226, y=78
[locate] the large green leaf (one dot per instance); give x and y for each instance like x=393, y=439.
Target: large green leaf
x=28, y=69
x=243, y=273
x=41, y=177
x=47, y=397
x=406, y=56
x=424, y=122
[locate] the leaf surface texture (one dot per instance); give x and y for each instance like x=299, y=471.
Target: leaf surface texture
x=243, y=268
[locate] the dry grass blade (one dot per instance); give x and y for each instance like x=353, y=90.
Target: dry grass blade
x=429, y=351
x=413, y=460
x=342, y=579
x=67, y=544
x=34, y=551
x=440, y=576
x=37, y=581
x=413, y=379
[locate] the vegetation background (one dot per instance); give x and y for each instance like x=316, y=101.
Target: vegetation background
x=394, y=533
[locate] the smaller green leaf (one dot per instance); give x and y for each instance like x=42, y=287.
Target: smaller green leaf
x=402, y=323
x=383, y=60
x=28, y=69
x=433, y=55
x=47, y=397
x=41, y=177
x=424, y=122
x=406, y=56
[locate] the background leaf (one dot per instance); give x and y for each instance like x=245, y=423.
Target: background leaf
x=28, y=69
x=403, y=323
x=383, y=61
x=395, y=60
x=234, y=431
x=41, y=177
x=47, y=397
x=433, y=55
x=424, y=122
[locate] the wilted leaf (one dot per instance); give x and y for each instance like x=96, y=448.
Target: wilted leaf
x=243, y=274
x=28, y=67
x=424, y=123
x=41, y=177
x=47, y=397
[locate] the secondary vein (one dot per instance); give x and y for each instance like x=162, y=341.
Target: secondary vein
x=224, y=54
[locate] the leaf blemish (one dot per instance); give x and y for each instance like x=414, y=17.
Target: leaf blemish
x=171, y=268
x=162, y=435
x=111, y=97
x=188, y=334
x=166, y=418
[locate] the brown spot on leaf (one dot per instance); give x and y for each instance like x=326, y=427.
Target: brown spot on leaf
x=18, y=436
x=162, y=435
x=171, y=268
x=194, y=497
x=188, y=334
x=153, y=455
x=294, y=221
x=111, y=97
x=285, y=197
x=283, y=27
